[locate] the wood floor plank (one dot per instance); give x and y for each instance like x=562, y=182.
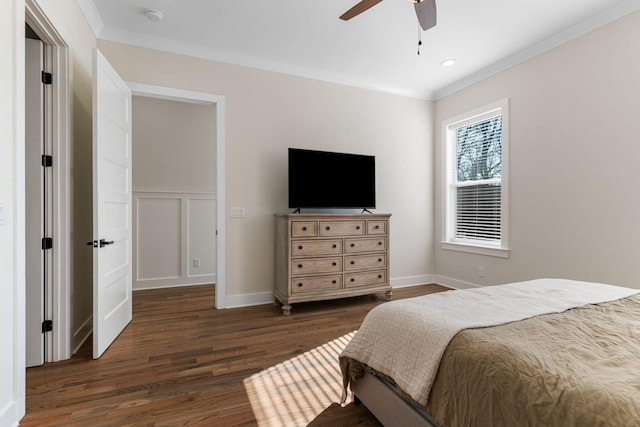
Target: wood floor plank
x=181, y=362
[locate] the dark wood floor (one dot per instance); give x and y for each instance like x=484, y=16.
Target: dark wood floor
x=181, y=362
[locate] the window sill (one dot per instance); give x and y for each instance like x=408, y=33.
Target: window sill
x=475, y=249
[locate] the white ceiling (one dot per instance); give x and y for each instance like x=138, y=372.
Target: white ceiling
x=376, y=50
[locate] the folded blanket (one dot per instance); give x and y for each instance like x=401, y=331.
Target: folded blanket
x=405, y=339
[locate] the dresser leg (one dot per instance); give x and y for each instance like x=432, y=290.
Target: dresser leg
x=387, y=295
x=286, y=309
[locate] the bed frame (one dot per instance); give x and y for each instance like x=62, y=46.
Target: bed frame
x=391, y=409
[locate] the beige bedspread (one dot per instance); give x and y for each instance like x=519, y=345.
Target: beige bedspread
x=577, y=368
x=405, y=339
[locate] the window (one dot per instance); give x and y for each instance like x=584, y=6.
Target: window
x=476, y=171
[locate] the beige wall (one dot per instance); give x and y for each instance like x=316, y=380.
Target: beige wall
x=269, y=112
x=574, y=150
x=173, y=146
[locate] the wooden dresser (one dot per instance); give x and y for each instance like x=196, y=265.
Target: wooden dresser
x=328, y=256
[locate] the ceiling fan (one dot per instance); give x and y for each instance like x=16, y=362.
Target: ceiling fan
x=425, y=10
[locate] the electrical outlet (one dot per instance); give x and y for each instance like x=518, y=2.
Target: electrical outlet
x=196, y=262
x=237, y=212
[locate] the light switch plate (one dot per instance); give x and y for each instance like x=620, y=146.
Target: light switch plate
x=237, y=212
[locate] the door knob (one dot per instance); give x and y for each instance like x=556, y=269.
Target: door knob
x=104, y=243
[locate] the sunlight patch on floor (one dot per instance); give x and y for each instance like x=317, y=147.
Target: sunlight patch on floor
x=294, y=392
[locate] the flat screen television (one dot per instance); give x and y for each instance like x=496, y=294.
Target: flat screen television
x=323, y=179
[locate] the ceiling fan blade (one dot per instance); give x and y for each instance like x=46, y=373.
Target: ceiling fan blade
x=358, y=9
x=426, y=11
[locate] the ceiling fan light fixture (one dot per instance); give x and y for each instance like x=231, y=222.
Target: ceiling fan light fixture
x=154, y=15
x=448, y=62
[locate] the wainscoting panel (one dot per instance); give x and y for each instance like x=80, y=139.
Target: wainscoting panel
x=202, y=237
x=159, y=238
x=174, y=239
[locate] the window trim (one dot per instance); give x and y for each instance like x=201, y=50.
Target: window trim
x=449, y=241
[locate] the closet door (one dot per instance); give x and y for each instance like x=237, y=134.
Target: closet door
x=34, y=200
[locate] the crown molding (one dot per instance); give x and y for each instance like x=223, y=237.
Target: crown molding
x=580, y=29
x=92, y=16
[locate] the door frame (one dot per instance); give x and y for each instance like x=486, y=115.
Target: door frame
x=59, y=129
x=218, y=101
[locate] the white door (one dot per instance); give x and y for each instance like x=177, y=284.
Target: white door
x=111, y=205
x=34, y=202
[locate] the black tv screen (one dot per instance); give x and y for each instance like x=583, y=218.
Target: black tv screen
x=323, y=179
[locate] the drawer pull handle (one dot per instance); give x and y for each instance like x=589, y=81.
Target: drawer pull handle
x=334, y=282
x=300, y=247
x=379, y=276
x=379, y=259
x=328, y=228
x=353, y=280
x=379, y=243
x=299, y=265
x=353, y=262
x=377, y=227
x=353, y=245
x=357, y=227
x=335, y=246
x=299, y=285
x=304, y=228
x=335, y=263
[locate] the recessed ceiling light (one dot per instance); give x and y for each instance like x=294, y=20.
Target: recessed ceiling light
x=448, y=62
x=153, y=14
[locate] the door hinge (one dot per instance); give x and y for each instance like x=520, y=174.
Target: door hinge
x=47, y=78
x=47, y=243
x=47, y=161
x=47, y=326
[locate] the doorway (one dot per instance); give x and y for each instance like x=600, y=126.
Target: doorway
x=219, y=221
x=47, y=302
x=38, y=191
x=173, y=190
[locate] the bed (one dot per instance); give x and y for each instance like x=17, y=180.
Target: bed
x=542, y=352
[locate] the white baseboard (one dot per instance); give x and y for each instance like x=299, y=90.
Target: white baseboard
x=454, y=283
x=153, y=284
x=246, y=300
x=81, y=334
x=9, y=414
x=403, y=282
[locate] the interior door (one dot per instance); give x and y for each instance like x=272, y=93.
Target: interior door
x=112, y=306
x=34, y=200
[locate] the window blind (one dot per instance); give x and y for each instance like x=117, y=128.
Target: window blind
x=478, y=212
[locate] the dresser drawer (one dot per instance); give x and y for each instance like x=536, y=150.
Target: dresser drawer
x=363, y=262
x=304, y=229
x=316, y=247
x=376, y=227
x=342, y=228
x=366, y=278
x=365, y=245
x=316, y=265
x=316, y=283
